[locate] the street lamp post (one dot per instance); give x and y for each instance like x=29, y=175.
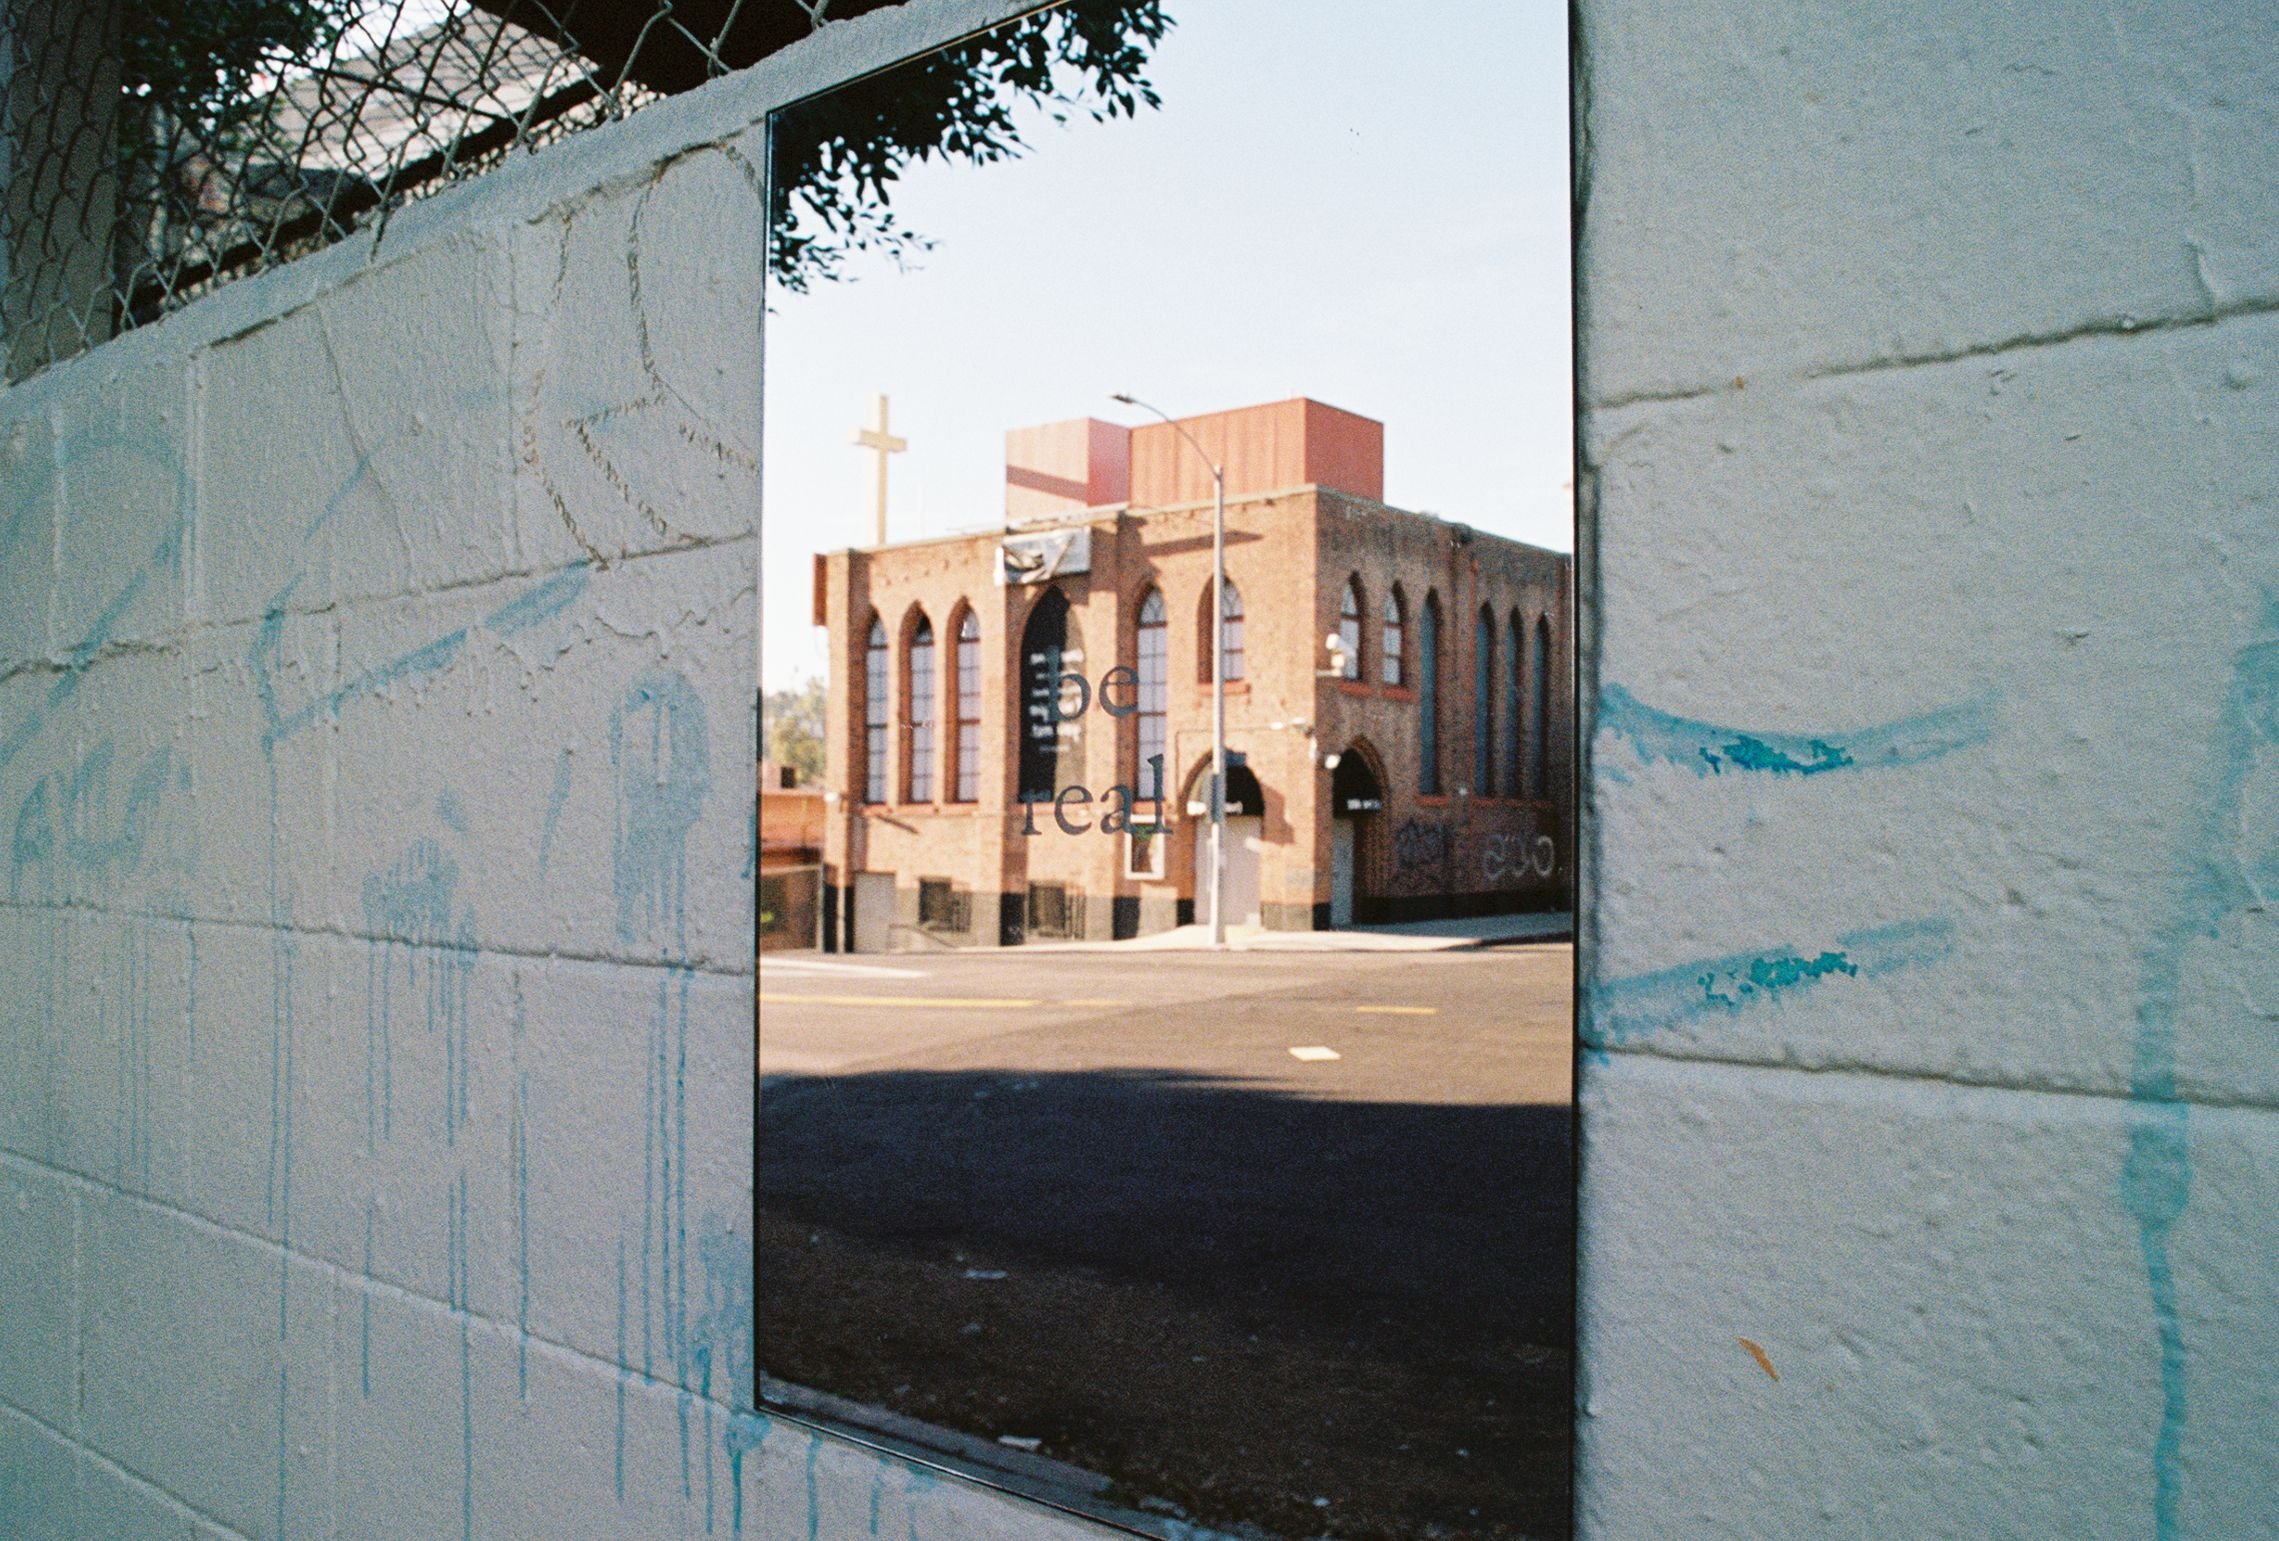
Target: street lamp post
x=1218, y=800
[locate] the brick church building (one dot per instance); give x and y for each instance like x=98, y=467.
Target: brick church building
x=1019, y=729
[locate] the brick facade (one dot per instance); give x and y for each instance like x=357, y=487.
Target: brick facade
x=972, y=873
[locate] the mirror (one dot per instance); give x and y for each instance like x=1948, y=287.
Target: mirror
x=1166, y=813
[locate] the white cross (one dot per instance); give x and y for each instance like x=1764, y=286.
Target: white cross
x=881, y=444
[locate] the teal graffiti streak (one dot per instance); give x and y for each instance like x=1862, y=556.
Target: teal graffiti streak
x=540, y=603
x=2214, y=882
x=1620, y=1012
x=1710, y=749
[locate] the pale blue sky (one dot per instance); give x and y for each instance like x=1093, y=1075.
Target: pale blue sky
x=1355, y=200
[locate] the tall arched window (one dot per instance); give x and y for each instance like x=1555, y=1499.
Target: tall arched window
x=968, y=785
x=1230, y=630
x=874, y=714
x=1428, y=698
x=1349, y=627
x=1539, y=681
x=918, y=712
x=1154, y=690
x=1484, y=704
x=1051, y=756
x=1515, y=710
x=1389, y=651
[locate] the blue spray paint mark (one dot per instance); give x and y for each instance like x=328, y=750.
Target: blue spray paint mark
x=2216, y=880
x=520, y=1138
x=624, y=1370
x=554, y=801
x=1619, y=1012
x=540, y=603
x=451, y=811
x=462, y=1301
x=746, y=1431
x=814, y=1492
x=371, y=1218
x=412, y=907
x=1711, y=749
x=660, y=750
x=166, y=560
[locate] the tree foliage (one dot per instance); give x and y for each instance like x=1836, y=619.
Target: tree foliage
x=199, y=58
x=837, y=155
x=791, y=729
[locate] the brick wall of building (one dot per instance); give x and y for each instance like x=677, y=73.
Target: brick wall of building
x=1464, y=849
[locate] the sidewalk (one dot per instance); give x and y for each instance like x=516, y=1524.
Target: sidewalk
x=1414, y=936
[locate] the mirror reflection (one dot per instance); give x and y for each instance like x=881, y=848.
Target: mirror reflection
x=1166, y=854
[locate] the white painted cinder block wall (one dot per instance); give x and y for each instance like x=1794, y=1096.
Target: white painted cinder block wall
x=377, y=663
x=1931, y=459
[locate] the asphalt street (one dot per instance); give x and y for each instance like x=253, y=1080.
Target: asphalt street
x=1242, y=1232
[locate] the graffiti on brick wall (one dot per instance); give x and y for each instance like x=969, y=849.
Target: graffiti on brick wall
x=1514, y=856
x=1419, y=844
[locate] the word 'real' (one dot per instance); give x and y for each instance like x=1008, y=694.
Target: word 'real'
x=1123, y=800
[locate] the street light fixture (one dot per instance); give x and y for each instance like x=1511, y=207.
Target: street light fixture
x=1218, y=669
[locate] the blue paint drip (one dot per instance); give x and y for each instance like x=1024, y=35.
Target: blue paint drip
x=1711, y=749
x=554, y=801
x=1620, y=1012
x=521, y=1138
x=746, y=1432
x=624, y=1371
x=814, y=1491
x=660, y=750
x=371, y=1220
x=2216, y=880
x=451, y=811
x=413, y=906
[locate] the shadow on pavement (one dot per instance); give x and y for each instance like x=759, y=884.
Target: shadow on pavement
x=1229, y=1296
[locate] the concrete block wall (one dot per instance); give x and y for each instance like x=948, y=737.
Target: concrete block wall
x=1930, y=582
x=377, y=659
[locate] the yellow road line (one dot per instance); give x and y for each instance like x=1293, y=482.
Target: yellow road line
x=1400, y=1011
x=936, y=1002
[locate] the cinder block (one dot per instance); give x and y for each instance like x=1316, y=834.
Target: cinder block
x=208, y=1367
x=124, y=502
x=260, y=753
x=120, y=1036
x=38, y=1481
x=354, y=448
x=37, y=1222
x=637, y=365
x=637, y=1102
x=109, y=1503
x=1954, y=1288
x=403, y=1133
x=1785, y=192
x=575, y=755
x=261, y=997
x=27, y=536
x=1952, y=788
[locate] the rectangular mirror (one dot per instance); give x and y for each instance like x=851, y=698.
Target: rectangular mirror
x=1165, y=810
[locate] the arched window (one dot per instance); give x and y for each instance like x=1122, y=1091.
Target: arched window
x=1428, y=698
x=1349, y=627
x=1051, y=756
x=1389, y=652
x=1230, y=634
x=1484, y=704
x=1230, y=630
x=1514, y=693
x=968, y=785
x=1154, y=692
x=1539, y=681
x=874, y=714
x=918, y=712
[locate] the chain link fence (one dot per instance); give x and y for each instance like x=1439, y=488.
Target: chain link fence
x=152, y=150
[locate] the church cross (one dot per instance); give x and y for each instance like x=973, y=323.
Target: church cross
x=881, y=444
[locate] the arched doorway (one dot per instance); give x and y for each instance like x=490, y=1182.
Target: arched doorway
x=1356, y=798
x=1246, y=846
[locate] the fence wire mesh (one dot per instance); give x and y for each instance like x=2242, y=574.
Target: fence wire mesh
x=150, y=151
